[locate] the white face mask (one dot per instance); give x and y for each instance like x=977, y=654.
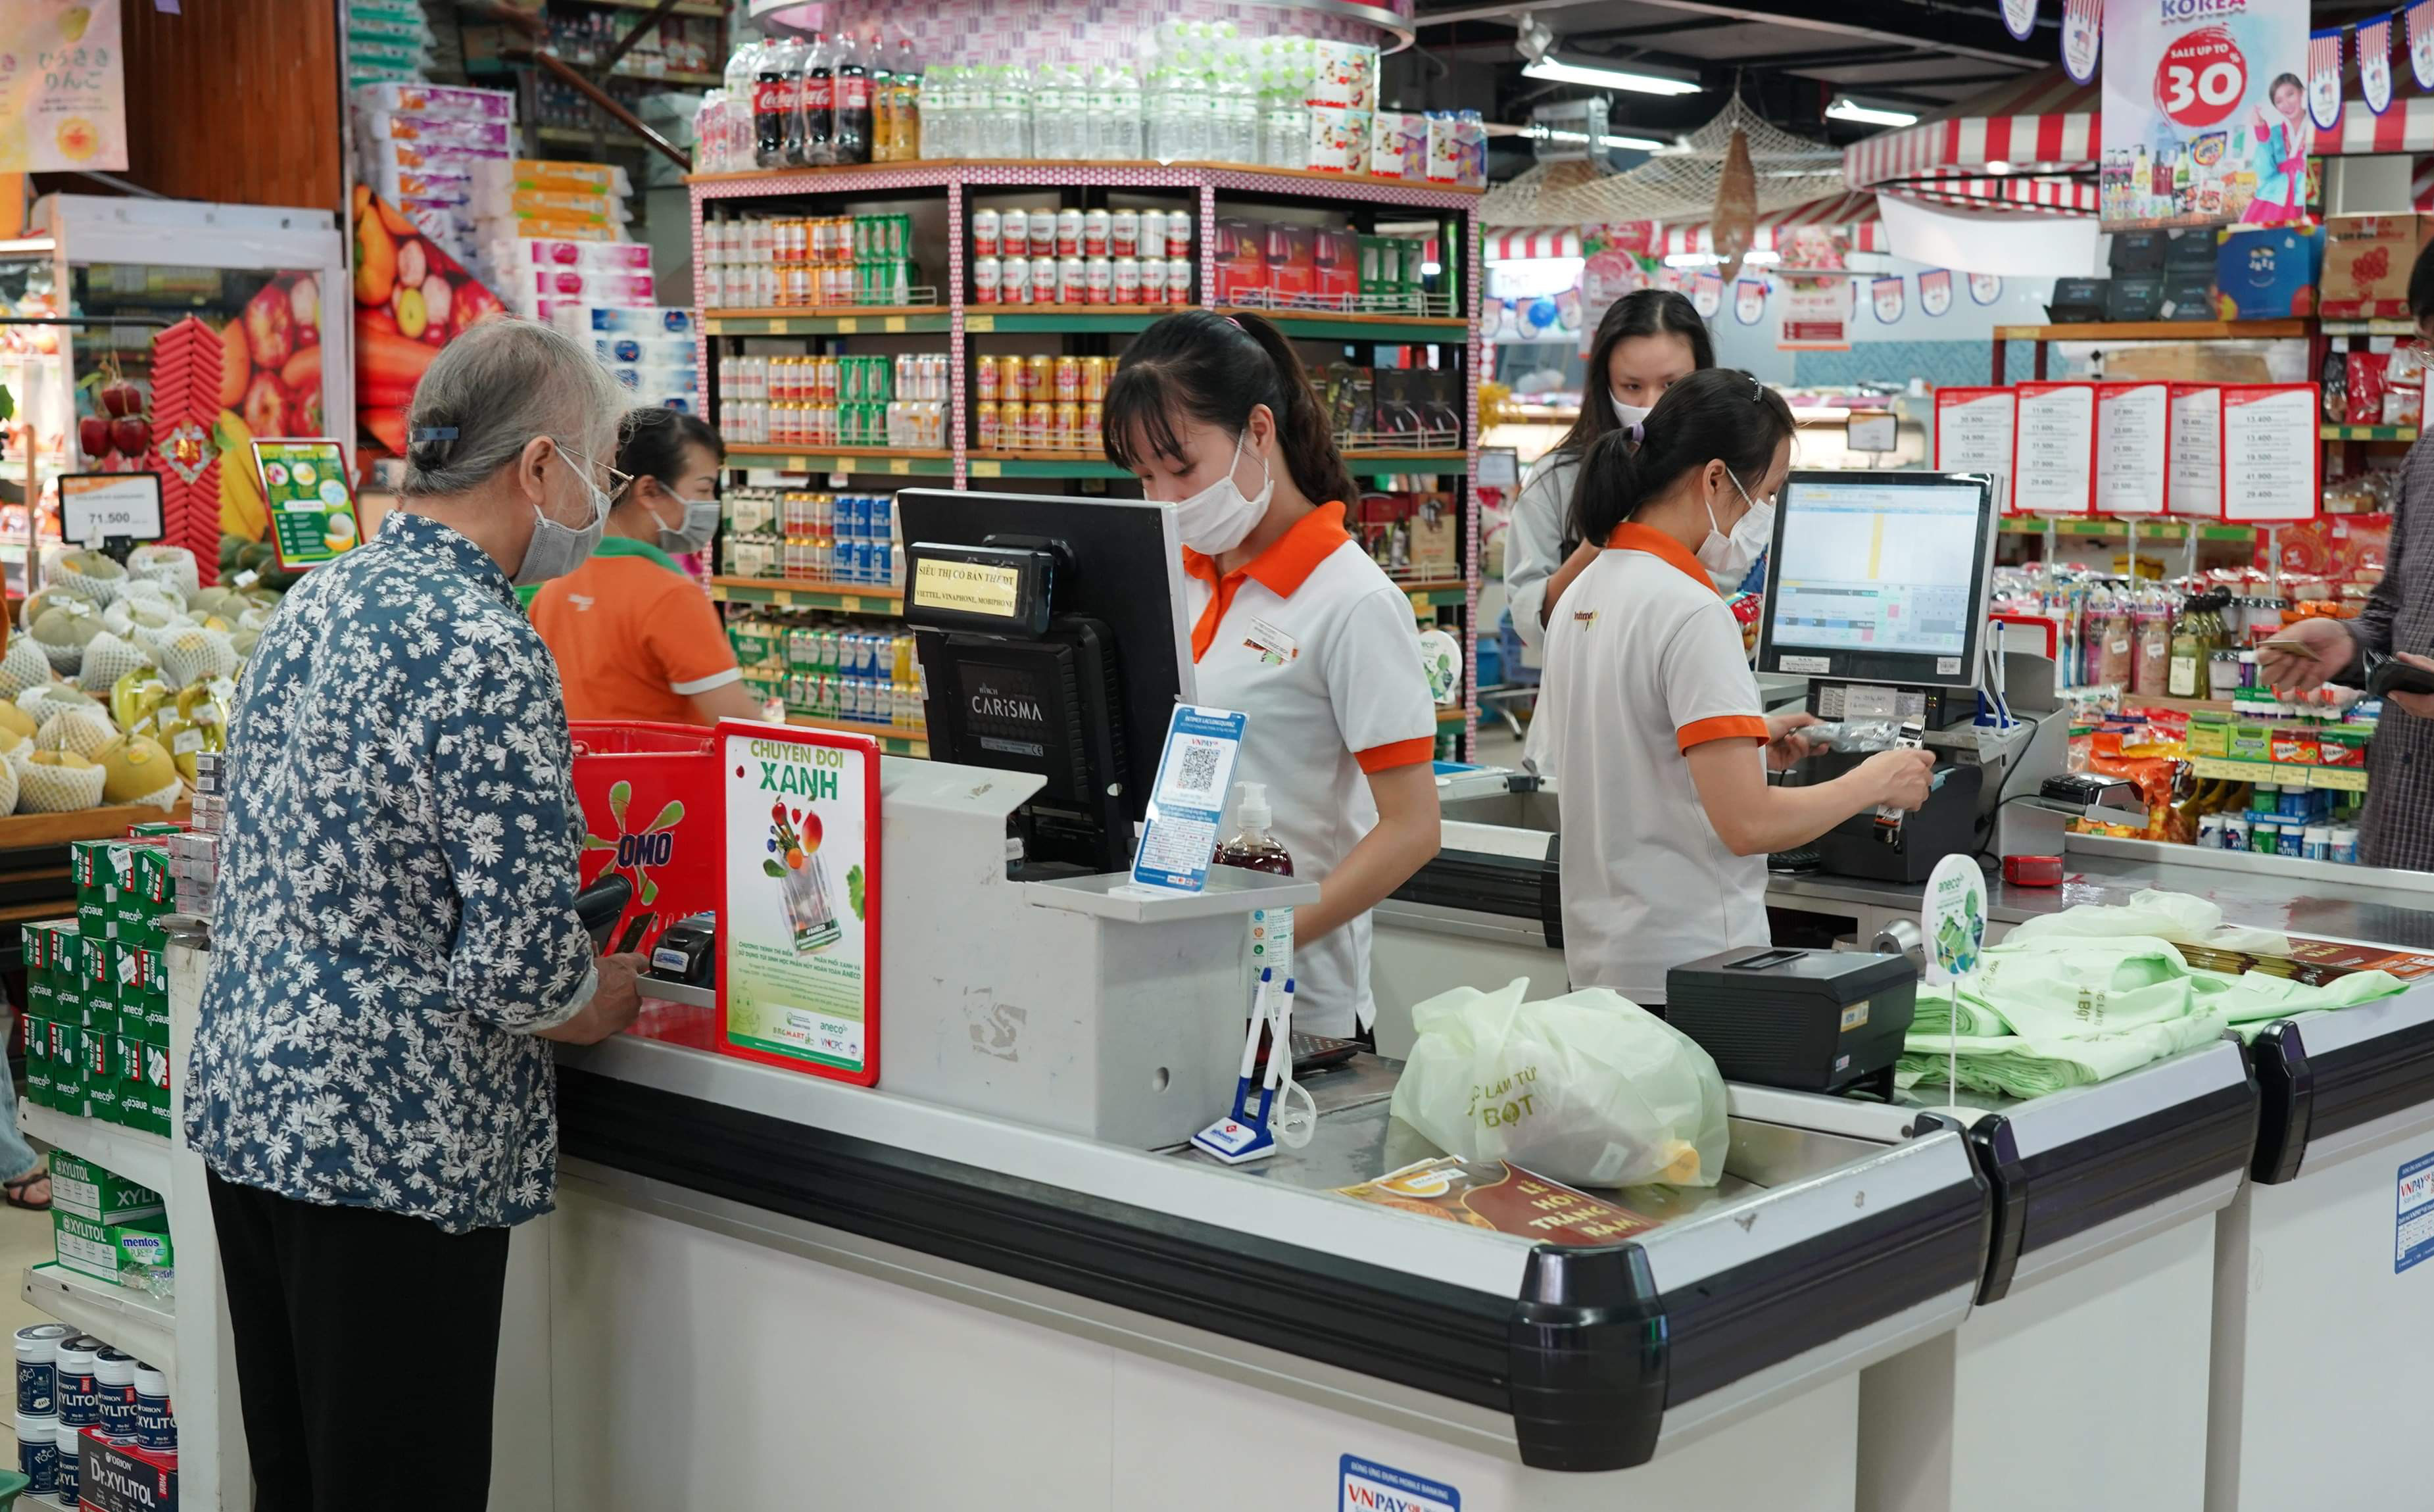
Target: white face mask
x=1218, y=517
x=1730, y=556
x=556, y=549
x=1630, y=413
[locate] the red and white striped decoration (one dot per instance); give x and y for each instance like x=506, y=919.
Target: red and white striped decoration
x=1856, y=215
x=2048, y=125
x=1532, y=241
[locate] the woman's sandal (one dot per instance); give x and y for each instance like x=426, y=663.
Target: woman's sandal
x=14, y=1193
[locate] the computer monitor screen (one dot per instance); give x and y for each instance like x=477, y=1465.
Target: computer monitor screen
x=1879, y=577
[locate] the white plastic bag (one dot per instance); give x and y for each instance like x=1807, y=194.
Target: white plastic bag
x=1590, y=1089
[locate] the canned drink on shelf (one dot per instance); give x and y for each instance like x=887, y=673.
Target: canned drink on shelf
x=1094, y=377
x=1009, y=376
x=1067, y=376
x=1014, y=233
x=985, y=232
x=985, y=381
x=1178, y=233
x=1039, y=424
x=933, y=371
x=1014, y=281
x=1065, y=427
x=1071, y=276
x=1124, y=233
x=1180, y=290
x=1153, y=282
x=1039, y=377
x=1098, y=281
x=1123, y=281
x=1043, y=234
x=849, y=384
x=986, y=275
x=1068, y=234
x=1094, y=424
x=1096, y=225
x=1153, y=233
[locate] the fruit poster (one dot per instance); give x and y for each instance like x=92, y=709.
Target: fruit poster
x=2204, y=114
x=411, y=299
x=798, y=910
x=312, y=510
x=63, y=87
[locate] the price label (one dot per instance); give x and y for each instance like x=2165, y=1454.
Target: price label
x=893, y=324
x=94, y=506
x=848, y=602
x=980, y=322
x=898, y=464
x=848, y=325
x=2202, y=78
x=987, y=470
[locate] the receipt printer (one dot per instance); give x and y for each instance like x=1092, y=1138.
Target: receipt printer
x=1812, y=1020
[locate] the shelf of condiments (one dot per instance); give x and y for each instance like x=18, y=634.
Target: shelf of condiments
x=897, y=401
x=812, y=535
x=1200, y=93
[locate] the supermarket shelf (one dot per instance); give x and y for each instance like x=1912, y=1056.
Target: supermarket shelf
x=1452, y=719
x=893, y=741
x=134, y=1321
x=140, y=1157
x=1015, y=172
x=2157, y=330
x=867, y=460
x=1066, y=318
x=673, y=76
x=1452, y=593
x=2148, y=529
x=682, y=7
x=1041, y=465
x=1381, y=327
x=2338, y=779
x=845, y=597
x=1370, y=464
x=2369, y=433
x=2397, y=327
x=883, y=320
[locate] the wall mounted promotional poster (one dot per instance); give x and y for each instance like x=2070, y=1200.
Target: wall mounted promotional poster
x=2206, y=118
x=798, y=905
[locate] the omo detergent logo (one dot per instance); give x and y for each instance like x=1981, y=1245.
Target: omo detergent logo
x=638, y=852
x=1372, y=1488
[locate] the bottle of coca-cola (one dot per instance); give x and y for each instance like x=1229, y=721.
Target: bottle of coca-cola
x=773, y=106
x=819, y=102
x=852, y=101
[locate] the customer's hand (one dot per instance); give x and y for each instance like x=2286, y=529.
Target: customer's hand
x=1899, y=778
x=2323, y=648
x=615, y=1004
x=2420, y=704
x=1787, y=741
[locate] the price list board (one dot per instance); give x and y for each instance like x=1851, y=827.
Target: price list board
x=2132, y=456
x=2269, y=452
x=2053, y=466
x=2196, y=486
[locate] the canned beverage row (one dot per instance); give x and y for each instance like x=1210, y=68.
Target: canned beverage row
x=833, y=379
x=809, y=285
x=839, y=649
x=1040, y=376
x=807, y=239
x=895, y=423
x=896, y=705
x=1038, y=426
x=846, y=563
x=805, y=514
x=1076, y=280
x=1160, y=233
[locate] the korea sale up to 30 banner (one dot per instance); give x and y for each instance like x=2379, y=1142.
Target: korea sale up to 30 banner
x=2206, y=112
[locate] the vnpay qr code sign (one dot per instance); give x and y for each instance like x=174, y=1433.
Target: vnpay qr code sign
x=1194, y=773
x=1196, y=776
x=1372, y=1488
x=2412, y=1239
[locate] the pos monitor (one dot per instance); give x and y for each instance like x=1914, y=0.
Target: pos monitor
x=1051, y=637
x=1880, y=577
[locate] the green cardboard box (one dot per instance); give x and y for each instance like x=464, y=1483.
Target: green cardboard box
x=126, y=1253
x=96, y=1064
x=98, y=1194
x=38, y=1060
x=2250, y=742
x=2209, y=737
x=67, y=1068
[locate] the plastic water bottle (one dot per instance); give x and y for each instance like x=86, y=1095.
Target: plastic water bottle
x=1046, y=115
x=1125, y=114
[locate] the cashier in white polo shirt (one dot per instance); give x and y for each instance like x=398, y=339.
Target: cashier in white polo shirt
x=1663, y=742
x=1292, y=624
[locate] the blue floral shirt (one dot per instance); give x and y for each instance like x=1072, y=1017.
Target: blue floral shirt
x=395, y=912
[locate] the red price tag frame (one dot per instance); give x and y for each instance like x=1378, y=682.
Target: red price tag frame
x=2242, y=395
x=2025, y=393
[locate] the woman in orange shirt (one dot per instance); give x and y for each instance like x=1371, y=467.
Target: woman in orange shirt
x=635, y=637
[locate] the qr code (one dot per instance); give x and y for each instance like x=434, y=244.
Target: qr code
x=1197, y=776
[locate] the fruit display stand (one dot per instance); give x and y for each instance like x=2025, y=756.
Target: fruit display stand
x=938, y=200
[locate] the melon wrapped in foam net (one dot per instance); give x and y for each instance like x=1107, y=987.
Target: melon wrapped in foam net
x=56, y=787
x=80, y=730
x=88, y=575
x=24, y=666
x=170, y=566
x=193, y=654
x=63, y=634
x=45, y=699
x=106, y=660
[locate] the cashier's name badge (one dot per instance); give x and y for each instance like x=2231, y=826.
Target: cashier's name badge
x=1188, y=799
x=1273, y=646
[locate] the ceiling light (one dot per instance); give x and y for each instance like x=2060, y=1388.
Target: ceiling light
x=1691, y=259
x=1761, y=258
x=1849, y=109
x=1998, y=165
x=1628, y=144
x=1533, y=39
x=1556, y=72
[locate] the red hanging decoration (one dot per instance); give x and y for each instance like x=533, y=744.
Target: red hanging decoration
x=186, y=362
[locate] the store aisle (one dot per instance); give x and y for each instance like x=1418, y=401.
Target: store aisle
x=24, y=1240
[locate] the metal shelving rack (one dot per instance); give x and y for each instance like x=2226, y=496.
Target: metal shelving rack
x=1451, y=323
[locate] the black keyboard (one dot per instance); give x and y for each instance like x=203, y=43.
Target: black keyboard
x=1800, y=858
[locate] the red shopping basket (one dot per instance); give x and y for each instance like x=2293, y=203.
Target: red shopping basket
x=650, y=798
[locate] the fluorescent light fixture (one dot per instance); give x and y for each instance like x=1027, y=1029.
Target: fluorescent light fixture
x=1557, y=72
x=1850, y=109
x=1997, y=166
x=1631, y=144
x=1431, y=269
x=1760, y=258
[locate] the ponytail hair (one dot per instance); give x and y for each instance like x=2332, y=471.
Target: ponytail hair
x=1722, y=414
x=1216, y=369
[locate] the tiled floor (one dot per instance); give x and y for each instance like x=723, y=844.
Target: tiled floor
x=24, y=1240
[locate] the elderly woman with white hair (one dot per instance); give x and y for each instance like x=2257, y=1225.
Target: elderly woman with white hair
x=395, y=937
